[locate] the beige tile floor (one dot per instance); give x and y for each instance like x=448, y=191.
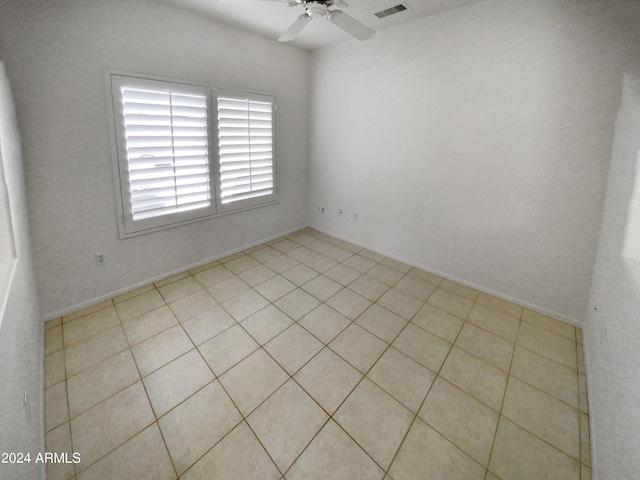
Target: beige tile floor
x=311, y=358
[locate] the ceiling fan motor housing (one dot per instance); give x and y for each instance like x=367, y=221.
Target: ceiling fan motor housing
x=317, y=9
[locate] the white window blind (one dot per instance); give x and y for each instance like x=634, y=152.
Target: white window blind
x=245, y=148
x=167, y=151
x=170, y=168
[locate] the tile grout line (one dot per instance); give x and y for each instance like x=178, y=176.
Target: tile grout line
x=523, y=428
x=291, y=376
x=66, y=387
x=217, y=378
x=504, y=396
x=164, y=442
x=119, y=391
x=580, y=433
x=417, y=414
x=330, y=415
x=326, y=345
x=350, y=392
x=136, y=363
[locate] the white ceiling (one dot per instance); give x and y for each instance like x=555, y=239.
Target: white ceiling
x=272, y=18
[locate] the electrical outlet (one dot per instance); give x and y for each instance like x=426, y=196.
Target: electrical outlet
x=340, y=213
x=100, y=259
x=355, y=217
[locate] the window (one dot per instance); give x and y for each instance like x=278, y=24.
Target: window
x=245, y=149
x=187, y=152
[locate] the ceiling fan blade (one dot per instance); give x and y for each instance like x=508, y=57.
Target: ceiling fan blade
x=350, y=25
x=295, y=28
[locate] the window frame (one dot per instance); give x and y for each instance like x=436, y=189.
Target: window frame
x=129, y=227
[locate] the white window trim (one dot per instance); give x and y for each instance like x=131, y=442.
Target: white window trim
x=130, y=228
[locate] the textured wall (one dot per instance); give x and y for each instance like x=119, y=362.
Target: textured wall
x=21, y=327
x=56, y=54
x=612, y=329
x=476, y=143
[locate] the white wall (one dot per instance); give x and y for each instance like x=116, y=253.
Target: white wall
x=475, y=143
x=21, y=328
x=56, y=54
x=612, y=330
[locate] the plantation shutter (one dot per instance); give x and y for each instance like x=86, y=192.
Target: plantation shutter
x=246, y=149
x=185, y=152
x=165, y=129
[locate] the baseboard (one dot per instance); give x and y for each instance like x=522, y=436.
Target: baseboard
x=537, y=308
x=107, y=296
x=564, y=318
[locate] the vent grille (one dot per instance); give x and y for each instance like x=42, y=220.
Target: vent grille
x=391, y=11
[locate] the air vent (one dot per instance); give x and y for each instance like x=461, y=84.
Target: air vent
x=391, y=11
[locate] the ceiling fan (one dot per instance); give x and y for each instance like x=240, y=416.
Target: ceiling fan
x=317, y=9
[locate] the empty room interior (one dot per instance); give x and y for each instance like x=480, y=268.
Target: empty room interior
x=403, y=243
